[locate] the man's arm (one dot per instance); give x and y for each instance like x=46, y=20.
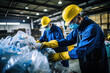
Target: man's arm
x=71, y=39
x=86, y=45
x=43, y=38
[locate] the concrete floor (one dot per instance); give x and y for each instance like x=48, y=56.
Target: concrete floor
x=74, y=65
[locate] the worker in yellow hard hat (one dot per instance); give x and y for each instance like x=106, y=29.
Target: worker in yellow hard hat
x=45, y=22
x=52, y=32
x=89, y=37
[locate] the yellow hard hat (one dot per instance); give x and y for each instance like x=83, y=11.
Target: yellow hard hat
x=70, y=12
x=45, y=21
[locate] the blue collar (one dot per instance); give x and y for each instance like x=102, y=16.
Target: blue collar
x=52, y=28
x=86, y=21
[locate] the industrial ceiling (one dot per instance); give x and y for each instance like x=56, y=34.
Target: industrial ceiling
x=18, y=10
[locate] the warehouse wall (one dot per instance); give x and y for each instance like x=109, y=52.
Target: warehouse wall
x=2, y=27
x=102, y=20
x=9, y=28
x=60, y=23
x=103, y=17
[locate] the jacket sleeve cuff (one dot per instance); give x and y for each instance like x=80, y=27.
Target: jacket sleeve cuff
x=73, y=54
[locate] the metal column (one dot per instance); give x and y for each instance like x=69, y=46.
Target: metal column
x=31, y=23
x=108, y=20
x=101, y=20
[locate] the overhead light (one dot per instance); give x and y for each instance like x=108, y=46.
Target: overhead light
x=94, y=7
x=2, y=23
x=23, y=20
x=13, y=23
x=26, y=7
x=45, y=10
x=21, y=12
x=37, y=20
x=57, y=13
x=60, y=2
x=37, y=13
x=49, y=15
x=16, y=15
x=84, y=3
x=28, y=17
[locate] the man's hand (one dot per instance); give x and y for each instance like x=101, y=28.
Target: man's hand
x=54, y=57
x=38, y=41
x=59, y=56
x=50, y=44
x=44, y=45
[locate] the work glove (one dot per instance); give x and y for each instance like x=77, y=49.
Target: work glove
x=59, y=56
x=50, y=44
x=38, y=41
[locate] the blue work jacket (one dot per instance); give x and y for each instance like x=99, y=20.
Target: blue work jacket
x=55, y=33
x=90, y=48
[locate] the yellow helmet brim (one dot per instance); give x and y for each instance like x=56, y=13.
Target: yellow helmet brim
x=66, y=23
x=43, y=26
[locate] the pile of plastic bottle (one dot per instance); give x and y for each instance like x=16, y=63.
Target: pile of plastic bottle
x=21, y=54
x=18, y=54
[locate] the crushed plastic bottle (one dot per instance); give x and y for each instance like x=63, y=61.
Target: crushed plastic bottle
x=17, y=54
x=32, y=62
x=21, y=54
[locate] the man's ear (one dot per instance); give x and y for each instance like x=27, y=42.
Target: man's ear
x=79, y=19
x=50, y=24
